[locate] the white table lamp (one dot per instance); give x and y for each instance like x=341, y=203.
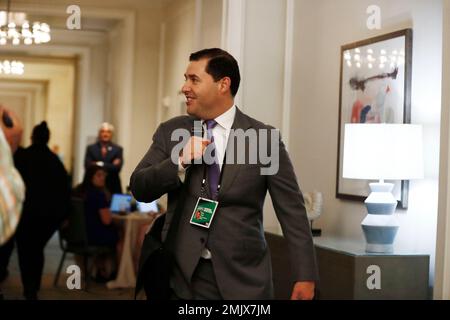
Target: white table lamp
x=382, y=152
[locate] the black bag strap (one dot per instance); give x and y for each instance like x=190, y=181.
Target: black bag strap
x=173, y=227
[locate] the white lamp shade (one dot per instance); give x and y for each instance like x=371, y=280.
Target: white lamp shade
x=383, y=151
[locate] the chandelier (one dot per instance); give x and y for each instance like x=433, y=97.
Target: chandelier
x=15, y=28
x=11, y=67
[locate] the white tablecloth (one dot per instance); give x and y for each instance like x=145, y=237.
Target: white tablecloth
x=126, y=275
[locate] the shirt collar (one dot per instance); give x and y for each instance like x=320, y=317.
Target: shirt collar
x=226, y=119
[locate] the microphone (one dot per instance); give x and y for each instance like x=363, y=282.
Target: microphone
x=197, y=129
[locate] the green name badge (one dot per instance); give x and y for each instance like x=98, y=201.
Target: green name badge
x=204, y=212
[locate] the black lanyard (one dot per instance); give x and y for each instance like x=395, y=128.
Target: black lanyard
x=206, y=166
x=220, y=176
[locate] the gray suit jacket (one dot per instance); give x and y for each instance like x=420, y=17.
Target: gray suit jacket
x=240, y=255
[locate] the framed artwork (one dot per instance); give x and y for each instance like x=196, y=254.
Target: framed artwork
x=375, y=87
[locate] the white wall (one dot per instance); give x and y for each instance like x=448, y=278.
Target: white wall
x=114, y=111
x=178, y=42
x=442, y=279
x=262, y=71
x=145, y=88
x=97, y=88
x=321, y=28
x=262, y=88
x=210, y=24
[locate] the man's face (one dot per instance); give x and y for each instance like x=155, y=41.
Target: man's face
x=200, y=90
x=105, y=135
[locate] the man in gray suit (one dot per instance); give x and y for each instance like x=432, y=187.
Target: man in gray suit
x=104, y=153
x=224, y=255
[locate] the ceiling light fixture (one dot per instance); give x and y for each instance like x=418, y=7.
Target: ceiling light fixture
x=15, y=29
x=11, y=67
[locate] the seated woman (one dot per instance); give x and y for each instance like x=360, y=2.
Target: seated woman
x=99, y=227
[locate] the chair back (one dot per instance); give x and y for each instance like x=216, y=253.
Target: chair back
x=76, y=234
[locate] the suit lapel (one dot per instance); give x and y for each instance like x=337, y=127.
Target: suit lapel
x=232, y=169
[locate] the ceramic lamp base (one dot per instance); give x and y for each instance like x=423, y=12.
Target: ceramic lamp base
x=380, y=225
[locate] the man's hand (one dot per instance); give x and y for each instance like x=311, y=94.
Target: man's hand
x=194, y=149
x=116, y=162
x=303, y=290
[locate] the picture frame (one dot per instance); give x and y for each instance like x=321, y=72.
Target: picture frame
x=375, y=87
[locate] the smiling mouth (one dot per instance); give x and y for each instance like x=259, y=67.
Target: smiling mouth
x=189, y=100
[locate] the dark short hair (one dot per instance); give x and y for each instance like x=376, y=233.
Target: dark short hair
x=220, y=64
x=41, y=133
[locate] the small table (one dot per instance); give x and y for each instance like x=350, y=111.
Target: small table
x=348, y=272
x=126, y=275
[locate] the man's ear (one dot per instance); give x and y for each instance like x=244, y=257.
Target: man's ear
x=224, y=84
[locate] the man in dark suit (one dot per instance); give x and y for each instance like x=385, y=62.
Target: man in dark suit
x=45, y=207
x=225, y=257
x=108, y=155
